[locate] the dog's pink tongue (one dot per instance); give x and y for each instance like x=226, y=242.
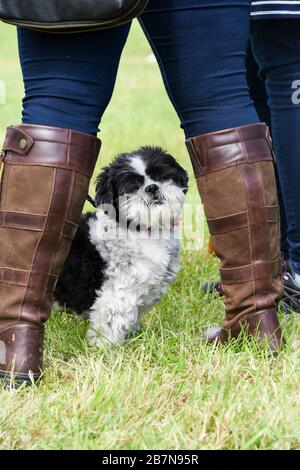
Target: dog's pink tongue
x=175, y=222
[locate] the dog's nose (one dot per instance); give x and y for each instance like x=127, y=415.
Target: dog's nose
x=152, y=189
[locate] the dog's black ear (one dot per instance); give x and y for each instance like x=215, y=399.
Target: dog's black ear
x=104, y=188
x=184, y=179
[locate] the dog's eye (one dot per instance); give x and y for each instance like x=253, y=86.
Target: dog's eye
x=165, y=174
x=163, y=178
x=138, y=179
x=134, y=181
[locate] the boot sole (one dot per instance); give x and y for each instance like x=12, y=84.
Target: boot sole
x=16, y=380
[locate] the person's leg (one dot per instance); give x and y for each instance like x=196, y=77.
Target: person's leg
x=203, y=69
x=48, y=163
x=69, y=78
x=259, y=96
x=257, y=88
x=276, y=48
x=203, y=65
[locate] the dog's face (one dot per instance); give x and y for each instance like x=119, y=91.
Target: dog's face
x=146, y=188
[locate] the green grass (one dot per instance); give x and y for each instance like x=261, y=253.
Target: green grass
x=166, y=389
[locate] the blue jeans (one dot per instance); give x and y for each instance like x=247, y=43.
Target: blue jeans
x=276, y=50
x=200, y=46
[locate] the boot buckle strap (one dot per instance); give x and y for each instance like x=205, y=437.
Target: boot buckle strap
x=230, y=223
x=250, y=272
x=33, y=222
x=17, y=141
x=20, y=277
x=239, y=221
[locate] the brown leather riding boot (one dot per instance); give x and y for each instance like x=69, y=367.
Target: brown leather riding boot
x=235, y=174
x=44, y=184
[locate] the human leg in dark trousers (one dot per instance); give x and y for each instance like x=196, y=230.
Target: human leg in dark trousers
x=275, y=45
x=69, y=80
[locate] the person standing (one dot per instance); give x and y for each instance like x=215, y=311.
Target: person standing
x=69, y=80
x=273, y=74
x=274, y=78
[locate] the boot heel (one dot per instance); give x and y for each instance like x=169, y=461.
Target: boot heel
x=21, y=353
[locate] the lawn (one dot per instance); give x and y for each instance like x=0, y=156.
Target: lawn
x=166, y=389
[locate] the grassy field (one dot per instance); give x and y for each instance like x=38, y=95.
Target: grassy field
x=166, y=389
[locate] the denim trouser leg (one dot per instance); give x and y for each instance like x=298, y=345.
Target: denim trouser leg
x=259, y=96
x=276, y=46
x=69, y=79
x=202, y=62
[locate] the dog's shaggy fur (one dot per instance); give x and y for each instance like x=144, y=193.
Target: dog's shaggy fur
x=126, y=254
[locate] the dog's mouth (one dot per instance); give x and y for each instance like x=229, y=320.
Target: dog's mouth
x=155, y=201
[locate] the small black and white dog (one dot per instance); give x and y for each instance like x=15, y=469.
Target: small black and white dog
x=126, y=254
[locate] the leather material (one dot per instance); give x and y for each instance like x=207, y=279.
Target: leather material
x=263, y=325
x=21, y=347
x=21, y=278
x=236, y=181
x=74, y=14
x=220, y=150
x=44, y=185
x=249, y=273
x=236, y=221
x=60, y=148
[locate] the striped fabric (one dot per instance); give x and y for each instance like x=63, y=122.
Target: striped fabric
x=275, y=9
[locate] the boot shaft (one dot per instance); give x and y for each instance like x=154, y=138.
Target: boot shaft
x=44, y=184
x=236, y=180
